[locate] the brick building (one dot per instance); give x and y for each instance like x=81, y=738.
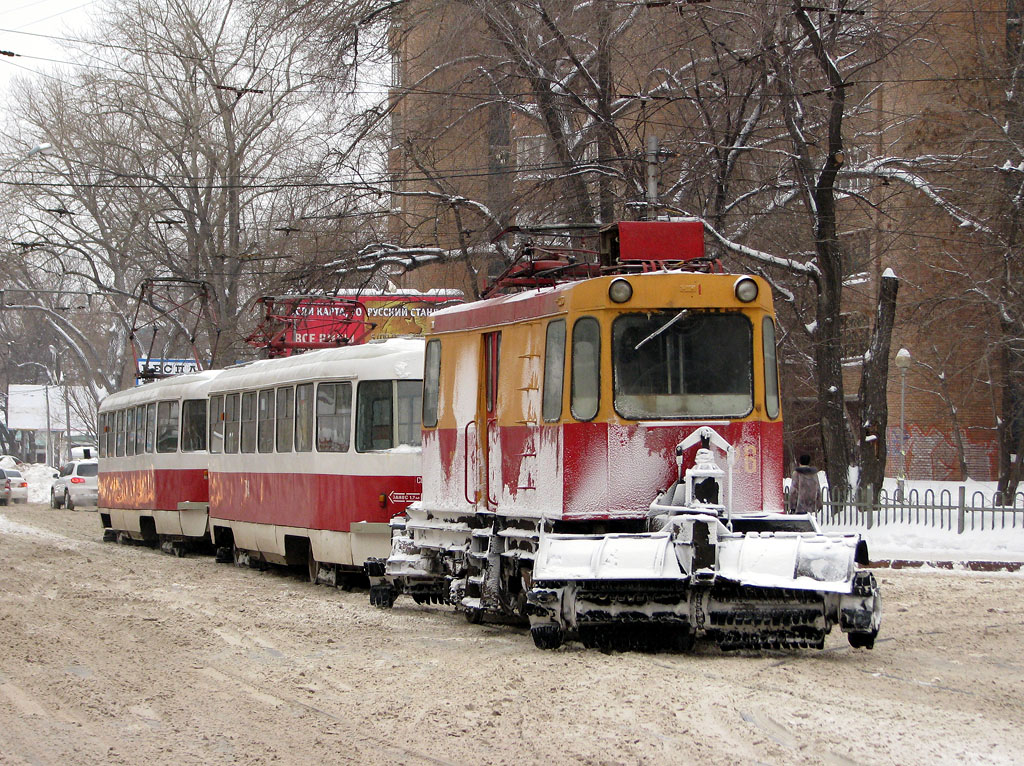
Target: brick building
x=468, y=159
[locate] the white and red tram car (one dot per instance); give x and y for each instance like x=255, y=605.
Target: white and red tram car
x=311, y=455
x=153, y=460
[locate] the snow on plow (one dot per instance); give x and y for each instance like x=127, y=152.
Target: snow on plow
x=664, y=589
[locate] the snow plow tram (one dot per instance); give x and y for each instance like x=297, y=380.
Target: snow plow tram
x=602, y=455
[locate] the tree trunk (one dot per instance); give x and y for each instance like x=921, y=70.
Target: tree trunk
x=874, y=411
x=1011, y=423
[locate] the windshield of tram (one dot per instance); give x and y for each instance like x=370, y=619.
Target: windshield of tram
x=682, y=364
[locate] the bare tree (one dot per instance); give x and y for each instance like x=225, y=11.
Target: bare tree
x=188, y=150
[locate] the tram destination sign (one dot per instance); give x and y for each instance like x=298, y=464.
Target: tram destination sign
x=151, y=369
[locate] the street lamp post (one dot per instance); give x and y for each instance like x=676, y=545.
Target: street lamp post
x=903, y=360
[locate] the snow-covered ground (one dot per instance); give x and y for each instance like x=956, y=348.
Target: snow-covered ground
x=988, y=535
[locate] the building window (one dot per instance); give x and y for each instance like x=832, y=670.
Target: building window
x=856, y=335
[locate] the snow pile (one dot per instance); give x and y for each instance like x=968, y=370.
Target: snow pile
x=39, y=477
x=917, y=542
x=987, y=536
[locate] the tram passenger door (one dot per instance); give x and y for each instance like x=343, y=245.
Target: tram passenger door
x=490, y=444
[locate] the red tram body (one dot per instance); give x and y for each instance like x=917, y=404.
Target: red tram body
x=311, y=455
x=299, y=460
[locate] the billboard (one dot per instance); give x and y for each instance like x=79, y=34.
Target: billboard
x=303, y=322
x=393, y=314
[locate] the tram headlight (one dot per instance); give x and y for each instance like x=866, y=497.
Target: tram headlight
x=746, y=289
x=620, y=290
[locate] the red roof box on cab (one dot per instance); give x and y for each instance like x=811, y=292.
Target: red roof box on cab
x=653, y=241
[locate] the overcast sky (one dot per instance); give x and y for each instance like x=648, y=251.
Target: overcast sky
x=28, y=29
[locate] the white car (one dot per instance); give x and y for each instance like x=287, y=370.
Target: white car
x=14, y=488
x=75, y=484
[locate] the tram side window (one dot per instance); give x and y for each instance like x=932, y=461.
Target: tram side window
x=193, y=425
x=375, y=416
x=248, y=422
x=167, y=427
x=410, y=405
x=554, y=370
x=140, y=429
x=586, y=368
x=105, y=422
x=129, y=431
x=285, y=419
x=333, y=416
x=231, y=423
x=121, y=433
x=304, y=418
x=771, y=369
x=265, y=421
x=431, y=382
x=217, y=424
x=151, y=427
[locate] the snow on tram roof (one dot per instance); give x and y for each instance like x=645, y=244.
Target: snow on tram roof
x=395, y=357
x=191, y=385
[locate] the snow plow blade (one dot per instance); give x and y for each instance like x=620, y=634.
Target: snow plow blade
x=696, y=578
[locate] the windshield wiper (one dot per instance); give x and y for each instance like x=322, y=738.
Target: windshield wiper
x=660, y=330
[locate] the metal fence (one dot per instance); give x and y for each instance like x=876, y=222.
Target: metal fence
x=959, y=509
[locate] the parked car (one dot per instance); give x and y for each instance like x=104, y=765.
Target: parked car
x=75, y=484
x=15, y=488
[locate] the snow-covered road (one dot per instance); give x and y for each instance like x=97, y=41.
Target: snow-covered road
x=124, y=655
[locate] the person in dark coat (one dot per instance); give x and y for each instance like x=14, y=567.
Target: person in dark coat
x=804, y=491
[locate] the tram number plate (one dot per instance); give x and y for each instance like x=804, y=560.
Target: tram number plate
x=404, y=497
